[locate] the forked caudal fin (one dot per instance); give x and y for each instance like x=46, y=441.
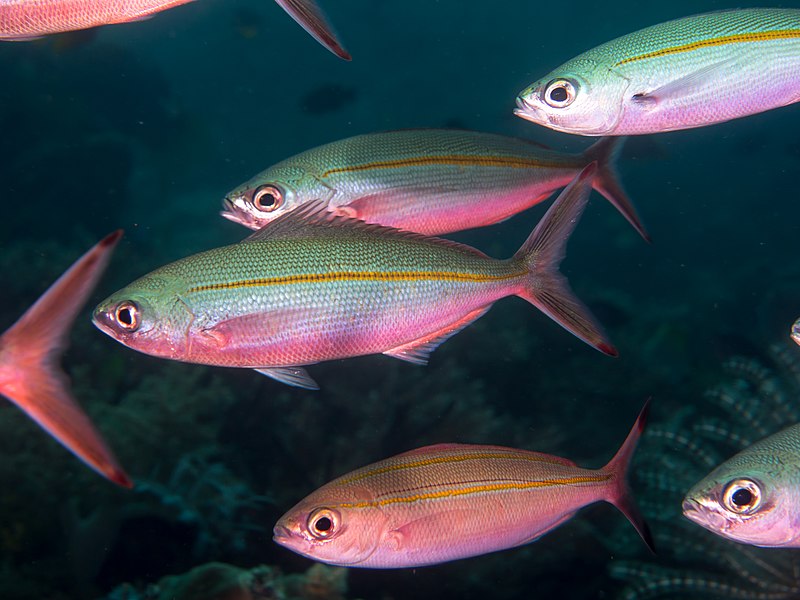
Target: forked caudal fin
x=543, y=251
x=606, y=180
x=29, y=373
x=620, y=494
x=311, y=18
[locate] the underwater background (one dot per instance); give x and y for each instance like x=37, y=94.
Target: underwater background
x=147, y=126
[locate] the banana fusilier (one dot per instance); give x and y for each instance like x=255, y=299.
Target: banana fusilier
x=753, y=497
x=680, y=74
x=312, y=287
x=432, y=181
x=452, y=501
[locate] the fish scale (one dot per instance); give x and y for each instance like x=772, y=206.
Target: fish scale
x=430, y=181
x=684, y=73
x=313, y=286
x=768, y=471
x=31, y=18
x=22, y=20
x=451, y=501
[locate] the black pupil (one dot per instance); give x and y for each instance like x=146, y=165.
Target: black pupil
x=125, y=316
x=558, y=94
x=267, y=199
x=742, y=497
x=323, y=524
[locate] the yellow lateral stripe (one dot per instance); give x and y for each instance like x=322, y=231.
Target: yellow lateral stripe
x=356, y=276
x=756, y=36
x=445, y=460
x=480, y=489
x=451, y=159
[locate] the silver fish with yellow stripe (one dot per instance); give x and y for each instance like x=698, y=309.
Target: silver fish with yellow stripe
x=432, y=181
x=451, y=501
x=311, y=287
x=685, y=73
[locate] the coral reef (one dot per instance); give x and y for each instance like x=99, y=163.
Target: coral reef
x=755, y=401
x=220, y=581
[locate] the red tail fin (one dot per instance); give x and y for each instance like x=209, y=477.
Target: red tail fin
x=29, y=374
x=606, y=181
x=544, y=250
x=620, y=495
x=310, y=17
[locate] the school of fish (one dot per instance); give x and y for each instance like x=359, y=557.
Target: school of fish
x=342, y=263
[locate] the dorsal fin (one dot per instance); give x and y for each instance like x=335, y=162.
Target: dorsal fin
x=313, y=220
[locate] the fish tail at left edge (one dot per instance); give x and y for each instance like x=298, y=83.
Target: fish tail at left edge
x=29, y=351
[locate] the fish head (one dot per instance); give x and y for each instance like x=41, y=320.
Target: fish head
x=272, y=193
x=342, y=528
x=748, y=499
x=795, y=334
x=148, y=316
x=583, y=96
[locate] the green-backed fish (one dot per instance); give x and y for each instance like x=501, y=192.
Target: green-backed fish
x=312, y=287
x=680, y=74
x=754, y=497
x=432, y=181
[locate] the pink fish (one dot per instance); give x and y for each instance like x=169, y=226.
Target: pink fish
x=451, y=501
x=22, y=20
x=312, y=286
x=29, y=375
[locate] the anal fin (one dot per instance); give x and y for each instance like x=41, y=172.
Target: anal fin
x=418, y=351
x=294, y=376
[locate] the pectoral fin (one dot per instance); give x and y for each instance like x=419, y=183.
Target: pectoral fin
x=696, y=83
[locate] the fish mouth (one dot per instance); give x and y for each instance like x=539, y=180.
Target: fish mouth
x=281, y=535
x=101, y=319
x=704, y=516
x=232, y=211
x=530, y=112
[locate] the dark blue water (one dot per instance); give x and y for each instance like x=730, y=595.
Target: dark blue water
x=146, y=127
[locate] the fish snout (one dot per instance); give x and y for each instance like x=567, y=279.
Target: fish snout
x=281, y=535
x=690, y=508
x=103, y=320
x=235, y=207
x=528, y=111
x=703, y=515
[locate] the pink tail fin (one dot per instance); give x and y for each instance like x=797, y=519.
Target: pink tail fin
x=310, y=17
x=29, y=351
x=606, y=180
x=543, y=251
x=620, y=495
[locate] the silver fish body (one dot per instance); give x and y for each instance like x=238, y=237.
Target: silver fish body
x=431, y=181
x=685, y=73
x=754, y=497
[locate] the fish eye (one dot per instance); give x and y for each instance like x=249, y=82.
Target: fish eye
x=323, y=523
x=742, y=496
x=560, y=93
x=127, y=316
x=267, y=198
